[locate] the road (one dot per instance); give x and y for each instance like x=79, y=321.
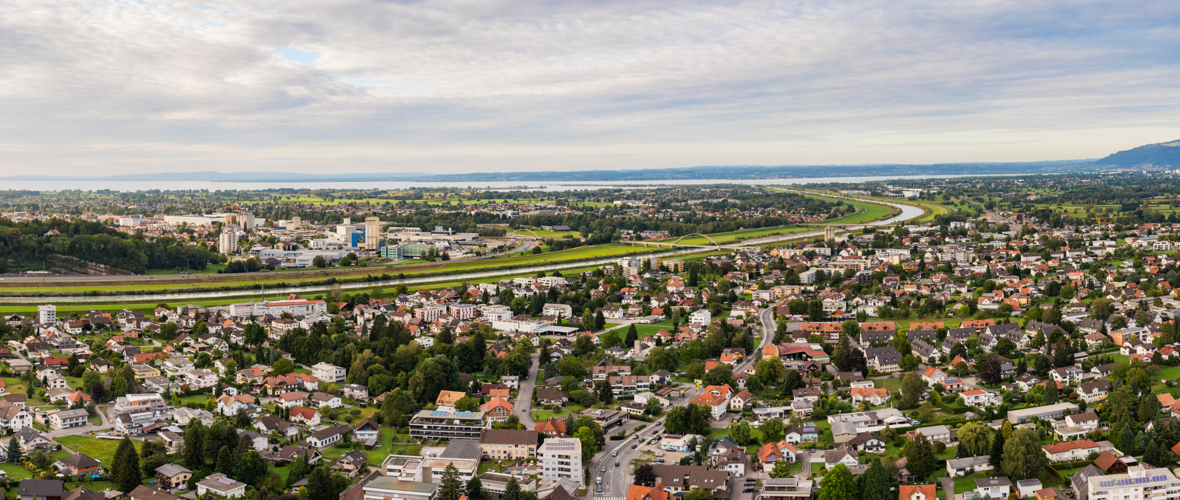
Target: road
x=617, y=480
x=806, y=458
x=524, y=395
x=306, y=289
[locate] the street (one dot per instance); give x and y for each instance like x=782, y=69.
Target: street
x=617, y=480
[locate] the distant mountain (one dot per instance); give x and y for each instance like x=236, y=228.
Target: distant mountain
x=1160, y=155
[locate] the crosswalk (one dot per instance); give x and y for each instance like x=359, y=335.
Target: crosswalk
x=608, y=498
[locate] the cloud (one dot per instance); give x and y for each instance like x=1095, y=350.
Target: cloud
x=494, y=85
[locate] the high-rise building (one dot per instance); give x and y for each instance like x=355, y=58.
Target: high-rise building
x=227, y=242
x=296, y=221
x=47, y=314
x=372, y=233
x=829, y=233
x=561, y=458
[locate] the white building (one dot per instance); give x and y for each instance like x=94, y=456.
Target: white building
x=47, y=314
x=227, y=242
x=328, y=373
x=701, y=316
x=278, y=307
x=221, y=485
x=1137, y=483
x=561, y=458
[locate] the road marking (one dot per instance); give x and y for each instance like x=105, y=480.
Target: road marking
x=608, y=498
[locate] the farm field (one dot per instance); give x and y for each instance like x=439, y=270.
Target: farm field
x=744, y=234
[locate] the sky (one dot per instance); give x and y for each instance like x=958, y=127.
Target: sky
x=419, y=86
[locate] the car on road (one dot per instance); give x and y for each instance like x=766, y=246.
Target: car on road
x=603, y=469
x=616, y=464
x=599, y=481
x=615, y=453
x=748, y=490
x=634, y=446
x=599, y=488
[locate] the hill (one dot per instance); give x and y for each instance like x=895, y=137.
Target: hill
x=1162, y=154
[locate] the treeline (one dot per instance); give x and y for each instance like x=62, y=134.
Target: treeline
x=27, y=245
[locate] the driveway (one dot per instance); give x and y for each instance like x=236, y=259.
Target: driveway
x=948, y=487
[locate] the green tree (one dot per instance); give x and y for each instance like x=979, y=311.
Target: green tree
x=589, y=443
x=838, y=484
x=781, y=470
x=14, y=452
x=323, y=485
x=298, y=470
x=125, y=471
x=283, y=366
x=251, y=469
x=875, y=483
x=1022, y=457
x=511, y=490
x=475, y=488
x=772, y=430
x=698, y=494
x=225, y=461
x=975, y=439
x=740, y=433
x=920, y=458
x=194, y=439
x=450, y=488
x=912, y=388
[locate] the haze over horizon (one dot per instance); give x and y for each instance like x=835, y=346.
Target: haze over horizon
x=105, y=88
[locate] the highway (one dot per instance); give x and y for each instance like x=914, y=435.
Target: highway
x=306, y=289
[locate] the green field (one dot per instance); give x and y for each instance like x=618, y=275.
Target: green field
x=743, y=234
x=102, y=450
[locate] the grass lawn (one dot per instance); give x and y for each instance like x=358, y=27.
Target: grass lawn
x=965, y=484
x=102, y=450
x=892, y=383
x=543, y=415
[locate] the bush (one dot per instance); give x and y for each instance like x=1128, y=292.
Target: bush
x=939, y=447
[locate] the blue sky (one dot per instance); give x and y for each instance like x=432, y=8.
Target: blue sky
x=357, y=85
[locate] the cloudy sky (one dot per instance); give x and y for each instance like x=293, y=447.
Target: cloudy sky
x=99, y=86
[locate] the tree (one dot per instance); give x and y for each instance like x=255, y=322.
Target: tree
x=323, y=485
x=740, y=433
x=645, y=475
x=632, y=336
x=475, y=488
x=908, y=363
x=450, y=488
x=298, y=470
x=1022, y=457
x=589, y=444
x=1126, y=441
x=194, y=438
x=698, y=494
x=225, y=461
x=875, y=483
x=14, y=452
x=920, y=459
x=990, y=372
x=251, y=469
x=125, y=470
x=838, y=484
x=1050, y=393
x=772, y=430
x=781, y=470
x=511, y=490
x=840, y=353
x=912, y=388
x=974, y=439
x=319, y=262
